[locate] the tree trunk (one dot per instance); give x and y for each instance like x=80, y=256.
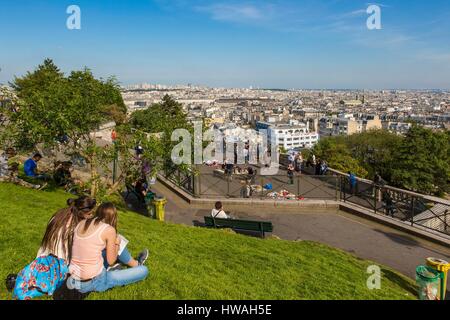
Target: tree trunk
x=94, y=175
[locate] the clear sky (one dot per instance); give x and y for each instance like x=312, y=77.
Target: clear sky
x=273, y=43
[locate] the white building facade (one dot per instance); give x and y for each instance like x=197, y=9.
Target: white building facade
x=293, y=135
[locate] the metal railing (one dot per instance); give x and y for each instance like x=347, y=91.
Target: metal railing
x=282, y=187
x=415, y=209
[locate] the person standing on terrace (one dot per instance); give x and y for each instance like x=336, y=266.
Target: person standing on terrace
x=353, y=182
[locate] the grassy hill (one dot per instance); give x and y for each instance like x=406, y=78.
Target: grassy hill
x=195, y=263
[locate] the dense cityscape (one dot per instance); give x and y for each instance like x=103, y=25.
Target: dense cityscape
x=301, y=117
x=227, y=158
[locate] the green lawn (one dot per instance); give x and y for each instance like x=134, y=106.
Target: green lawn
x=195, y=263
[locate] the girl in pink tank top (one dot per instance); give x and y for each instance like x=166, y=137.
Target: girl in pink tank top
x=95, y=247
x=87, y=259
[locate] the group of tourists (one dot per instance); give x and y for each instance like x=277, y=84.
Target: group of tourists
x=31, y=176
x=297, y=164
x=81, y=252
x=295, y=161
x=9, y=171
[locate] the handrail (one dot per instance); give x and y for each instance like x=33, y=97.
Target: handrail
x=410, y=193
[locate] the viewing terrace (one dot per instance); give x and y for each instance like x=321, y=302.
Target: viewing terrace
x=323, y=209
x=426, y=213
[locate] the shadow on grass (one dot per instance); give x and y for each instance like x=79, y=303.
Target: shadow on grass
x=400, y=281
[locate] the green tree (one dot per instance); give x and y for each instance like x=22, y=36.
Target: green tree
x=51, y=106
x=162, y=119
x=45, y=75
x=419, y=161
x=165, y=116
x=422, y=161
x=375, y=151
x=338, y=156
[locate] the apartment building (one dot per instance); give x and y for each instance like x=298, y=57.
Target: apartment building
x=293, y=134
x=348, y=125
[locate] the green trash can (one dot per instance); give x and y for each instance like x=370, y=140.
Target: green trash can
x=150, y=205
x=428, y=280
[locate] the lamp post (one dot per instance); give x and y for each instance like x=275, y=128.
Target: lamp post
x=114, y=138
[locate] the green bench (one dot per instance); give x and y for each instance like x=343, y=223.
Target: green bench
x=244, y=225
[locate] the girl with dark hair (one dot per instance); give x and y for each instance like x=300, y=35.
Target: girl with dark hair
x=48, y=271
x=58, y=237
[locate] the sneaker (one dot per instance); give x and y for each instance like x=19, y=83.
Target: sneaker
x=115, y=267
x=43, y=186
x=11, y=282
x=142, y=257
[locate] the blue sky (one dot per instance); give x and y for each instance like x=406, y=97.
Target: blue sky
x=273, y=43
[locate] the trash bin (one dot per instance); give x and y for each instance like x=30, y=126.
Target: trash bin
x=428, y=281
x=149, y=203
x=160, y=204
x=442, y=267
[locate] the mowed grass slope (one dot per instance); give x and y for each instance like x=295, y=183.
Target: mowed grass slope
x=196, y=263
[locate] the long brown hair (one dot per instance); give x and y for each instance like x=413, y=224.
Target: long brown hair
x=62, y=225
x=106, y=213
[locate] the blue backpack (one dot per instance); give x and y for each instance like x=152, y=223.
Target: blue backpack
x=41, y=277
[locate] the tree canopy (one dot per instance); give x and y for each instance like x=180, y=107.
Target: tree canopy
x=418, y=161
x=163, y=119
x=53, y=105
x=422, y=161
x=165, y=116
x=53, y=109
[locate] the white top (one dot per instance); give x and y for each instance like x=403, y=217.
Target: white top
x=219, y=214
x=61, y=244
x=59, y=253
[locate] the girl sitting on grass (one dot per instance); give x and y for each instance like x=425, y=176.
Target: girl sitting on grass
x=94, y=239
x=107, y=213
x=46, y=274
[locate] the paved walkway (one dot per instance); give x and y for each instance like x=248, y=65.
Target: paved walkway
x=363, y=238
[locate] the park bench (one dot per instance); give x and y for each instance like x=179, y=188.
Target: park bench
x=244, y=225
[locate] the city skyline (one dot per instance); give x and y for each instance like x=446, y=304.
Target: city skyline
x=273, y=44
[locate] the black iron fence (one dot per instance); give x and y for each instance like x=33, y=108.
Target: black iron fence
x=416, y=209
x=427, y=212
x=278, y=187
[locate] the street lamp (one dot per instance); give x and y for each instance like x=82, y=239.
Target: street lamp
x=114, y=138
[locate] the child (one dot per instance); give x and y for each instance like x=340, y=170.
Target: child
x=107, y=213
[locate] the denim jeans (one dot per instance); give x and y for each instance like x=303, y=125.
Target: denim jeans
x=109, y=279
x=124, y=257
